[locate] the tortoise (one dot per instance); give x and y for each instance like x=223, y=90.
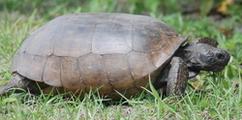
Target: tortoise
x=113, y=53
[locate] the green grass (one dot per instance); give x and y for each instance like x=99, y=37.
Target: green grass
x=217, y=95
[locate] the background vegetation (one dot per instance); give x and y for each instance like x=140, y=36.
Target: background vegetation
x=211, y=96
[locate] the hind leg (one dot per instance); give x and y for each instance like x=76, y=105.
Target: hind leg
x=17, y=81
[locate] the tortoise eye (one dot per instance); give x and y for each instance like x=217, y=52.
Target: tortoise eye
x=220, y=56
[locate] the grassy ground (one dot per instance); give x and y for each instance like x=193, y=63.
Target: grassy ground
x=213, y=95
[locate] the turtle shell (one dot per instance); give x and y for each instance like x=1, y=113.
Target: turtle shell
x=112, y=52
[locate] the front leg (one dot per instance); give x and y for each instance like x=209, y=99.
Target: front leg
x=173, y=79
x=177, y=77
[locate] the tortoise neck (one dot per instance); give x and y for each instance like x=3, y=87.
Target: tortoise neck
x=186, y=53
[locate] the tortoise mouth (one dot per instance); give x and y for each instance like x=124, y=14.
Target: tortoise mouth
x=215, y=68
x=211, y=67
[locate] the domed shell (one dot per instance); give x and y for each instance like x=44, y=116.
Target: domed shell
x=104, y=50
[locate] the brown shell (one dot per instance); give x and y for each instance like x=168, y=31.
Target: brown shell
x=88, y=51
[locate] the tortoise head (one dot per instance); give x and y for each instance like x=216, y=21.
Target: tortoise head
x=204, y=55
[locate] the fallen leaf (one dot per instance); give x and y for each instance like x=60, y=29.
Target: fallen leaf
x=228, y=32
x=223, y=7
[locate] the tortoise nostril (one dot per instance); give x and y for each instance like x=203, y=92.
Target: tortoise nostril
x=220, y=56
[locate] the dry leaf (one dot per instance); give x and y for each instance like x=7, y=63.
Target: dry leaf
x=223, y=7
x=228, y=32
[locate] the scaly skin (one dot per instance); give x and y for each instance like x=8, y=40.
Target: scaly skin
x=177, y=77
